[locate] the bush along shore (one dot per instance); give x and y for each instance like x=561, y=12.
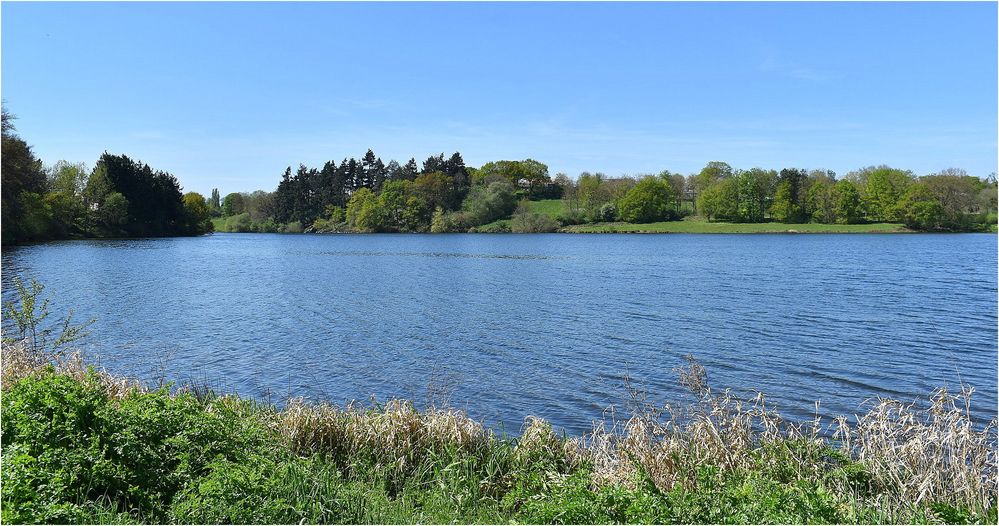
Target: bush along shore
x=83, y=446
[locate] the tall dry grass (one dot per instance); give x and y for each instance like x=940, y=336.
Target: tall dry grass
x=916, y=454
x=18, y=361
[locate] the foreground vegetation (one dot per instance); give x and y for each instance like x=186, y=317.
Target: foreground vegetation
x=82, y=446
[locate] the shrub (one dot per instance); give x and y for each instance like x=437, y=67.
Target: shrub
x=68, y=447
x=648, y=201
x=486, y=204
x=608, y=212
x=526, y=222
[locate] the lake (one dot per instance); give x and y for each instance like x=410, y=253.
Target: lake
x=543, y=325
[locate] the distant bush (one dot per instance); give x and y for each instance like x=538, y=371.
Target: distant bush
x=487, y=204
x=293, y=227
x=608, y=212
x=497, y=227
x=571, y=217
x=447, y=222
x=650, y=200
x=526, y=222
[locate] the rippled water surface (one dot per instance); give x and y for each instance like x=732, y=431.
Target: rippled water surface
x=545, y=325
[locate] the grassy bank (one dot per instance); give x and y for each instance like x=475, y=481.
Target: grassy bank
x=701, y=226
x=83, y=446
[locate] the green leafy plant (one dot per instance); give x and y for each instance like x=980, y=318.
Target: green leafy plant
x=25, y=323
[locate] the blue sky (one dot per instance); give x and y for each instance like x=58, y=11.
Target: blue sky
x=228, y=95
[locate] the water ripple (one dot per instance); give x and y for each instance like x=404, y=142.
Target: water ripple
x=545, y=325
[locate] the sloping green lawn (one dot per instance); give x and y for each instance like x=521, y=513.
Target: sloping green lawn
x=550, y=207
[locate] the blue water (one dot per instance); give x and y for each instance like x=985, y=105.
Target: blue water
x=544, y=325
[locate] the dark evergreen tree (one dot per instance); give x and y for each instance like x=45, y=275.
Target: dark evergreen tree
x=434, y=164
x=379, y=174
x=21, y=173
x=355, y=174
x=410, y=170
x=284, y=198
x=155, y=206
x=215, y=203
x=393, y=171
x=368, y=169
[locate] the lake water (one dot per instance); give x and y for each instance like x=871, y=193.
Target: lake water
x=544, y=325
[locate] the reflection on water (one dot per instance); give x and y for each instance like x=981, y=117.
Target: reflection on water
x=543, y=325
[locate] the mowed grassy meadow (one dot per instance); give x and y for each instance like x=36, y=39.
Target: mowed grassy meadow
x=701, y=226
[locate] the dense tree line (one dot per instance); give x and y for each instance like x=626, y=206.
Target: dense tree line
x=947, y=201
x=447, y=196
x=368, y=195
x=119, y=197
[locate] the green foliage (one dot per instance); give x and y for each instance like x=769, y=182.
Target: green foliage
x=198, y=216
x=703, y=226
x=75, y=454
x=822, y=201
x=112, y=213
x=790, y=201
x=447, y=222
x=21, y=172
x=501, y=226
x=650, y=200
x=155, y=205
x=335, y=220
x=68, y=178
x=364, y=212
x=238, y=223
x=35, y=218
x=69, y=449
x=712, y=173
x=754, y=189
x=885, y=187
x=720, y=200
x=920, y=208
x=68, y=215
x=25, y=322
x=848, y=207
x=528, y=175
x=524, y=221
x=232, y=204
x=486, y=204
x=435, y=189
x=784, y=209
x=608, y=212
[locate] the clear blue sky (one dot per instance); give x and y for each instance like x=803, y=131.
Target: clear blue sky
x=230, y=94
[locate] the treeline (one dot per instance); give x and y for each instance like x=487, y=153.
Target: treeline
x=947, y=201
x=368, y=195
x=119, y=197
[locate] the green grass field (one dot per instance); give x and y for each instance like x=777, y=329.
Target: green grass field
x=551, y=207
x=701, y=226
